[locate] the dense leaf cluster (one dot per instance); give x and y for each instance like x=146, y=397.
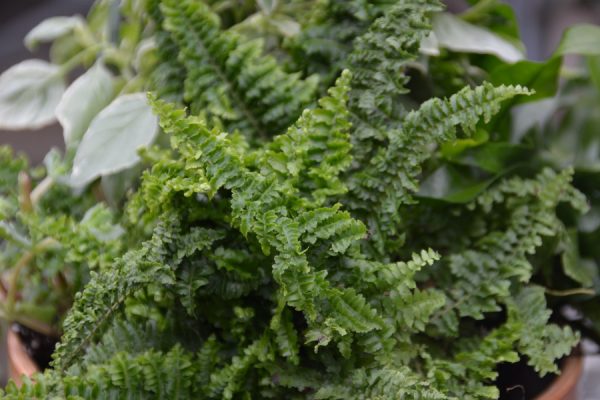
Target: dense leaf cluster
x=286, y=249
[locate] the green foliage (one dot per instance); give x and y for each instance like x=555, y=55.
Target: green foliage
x=278, y=244
x=390, y=177
x=228, y=78
x=378, y=64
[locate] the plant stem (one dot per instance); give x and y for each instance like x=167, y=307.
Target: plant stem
x=77, y=59
x=571, y=292
x=13, y=287
x=41, y=189
x=25, y=192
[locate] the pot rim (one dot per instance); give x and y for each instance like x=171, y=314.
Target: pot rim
x=565, y=385
x=20, y=363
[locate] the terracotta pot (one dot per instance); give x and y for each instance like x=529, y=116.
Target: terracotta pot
x=19, y=362
x=565, y=386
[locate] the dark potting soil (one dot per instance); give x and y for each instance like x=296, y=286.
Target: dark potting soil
x=520, y=381
x=38, y=346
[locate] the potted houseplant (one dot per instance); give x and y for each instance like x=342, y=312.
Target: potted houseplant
x=319, y=225
x=52, y=238
x=56, y=221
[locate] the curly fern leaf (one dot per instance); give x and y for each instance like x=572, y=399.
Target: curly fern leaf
x=386, y=276
x=485, y=272
x=384, y=383
x=543, y=343
x=107, y=291
x=229, y=78
x=259, y=207
x=286, y=336
x=378, y=62
x=390, y=179
x=324, y=43
x=316, y=149
x=230, y=380
x=148, y=375
x=167, y=78
x=470, y=373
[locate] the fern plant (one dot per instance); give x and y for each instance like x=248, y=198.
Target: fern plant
x=285, y=241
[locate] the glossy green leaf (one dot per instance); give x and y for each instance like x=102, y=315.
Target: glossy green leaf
x=111, y=142
x=29, y=94
x=495, y=157
x=451, y=150
x=573, y=266
x=495, y=15
x=452, y=184
x=539, y=76
x=80, y=103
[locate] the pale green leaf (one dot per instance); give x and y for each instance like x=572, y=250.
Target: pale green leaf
x=29, y=94
x=430, y=45
x=457, y=35
x=51, y=29
x=113, y=138
x=285, y=25
x=580, y=39
x=85, y=98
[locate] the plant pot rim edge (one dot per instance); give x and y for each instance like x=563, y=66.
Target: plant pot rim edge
x=564, y=387
x=19, y=362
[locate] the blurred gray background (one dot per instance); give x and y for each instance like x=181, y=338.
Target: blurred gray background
x=542, y=23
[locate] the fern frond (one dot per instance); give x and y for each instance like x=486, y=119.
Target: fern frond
x=286, y=336
x=107, y=291
x=258, y=207
x=378, y=62
x=324, y=43
x=229, y=78
x=149, y=375
x=380, y=384
x=124, y=336
x=543, y=343
x=316, y=149
x=168, y=76
x=485, y=272
x=398, y=276
x=352, y=313
x=470, y=374
x=230, y=380
x=391, y=177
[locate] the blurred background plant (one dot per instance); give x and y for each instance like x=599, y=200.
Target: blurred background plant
x=541, y=23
